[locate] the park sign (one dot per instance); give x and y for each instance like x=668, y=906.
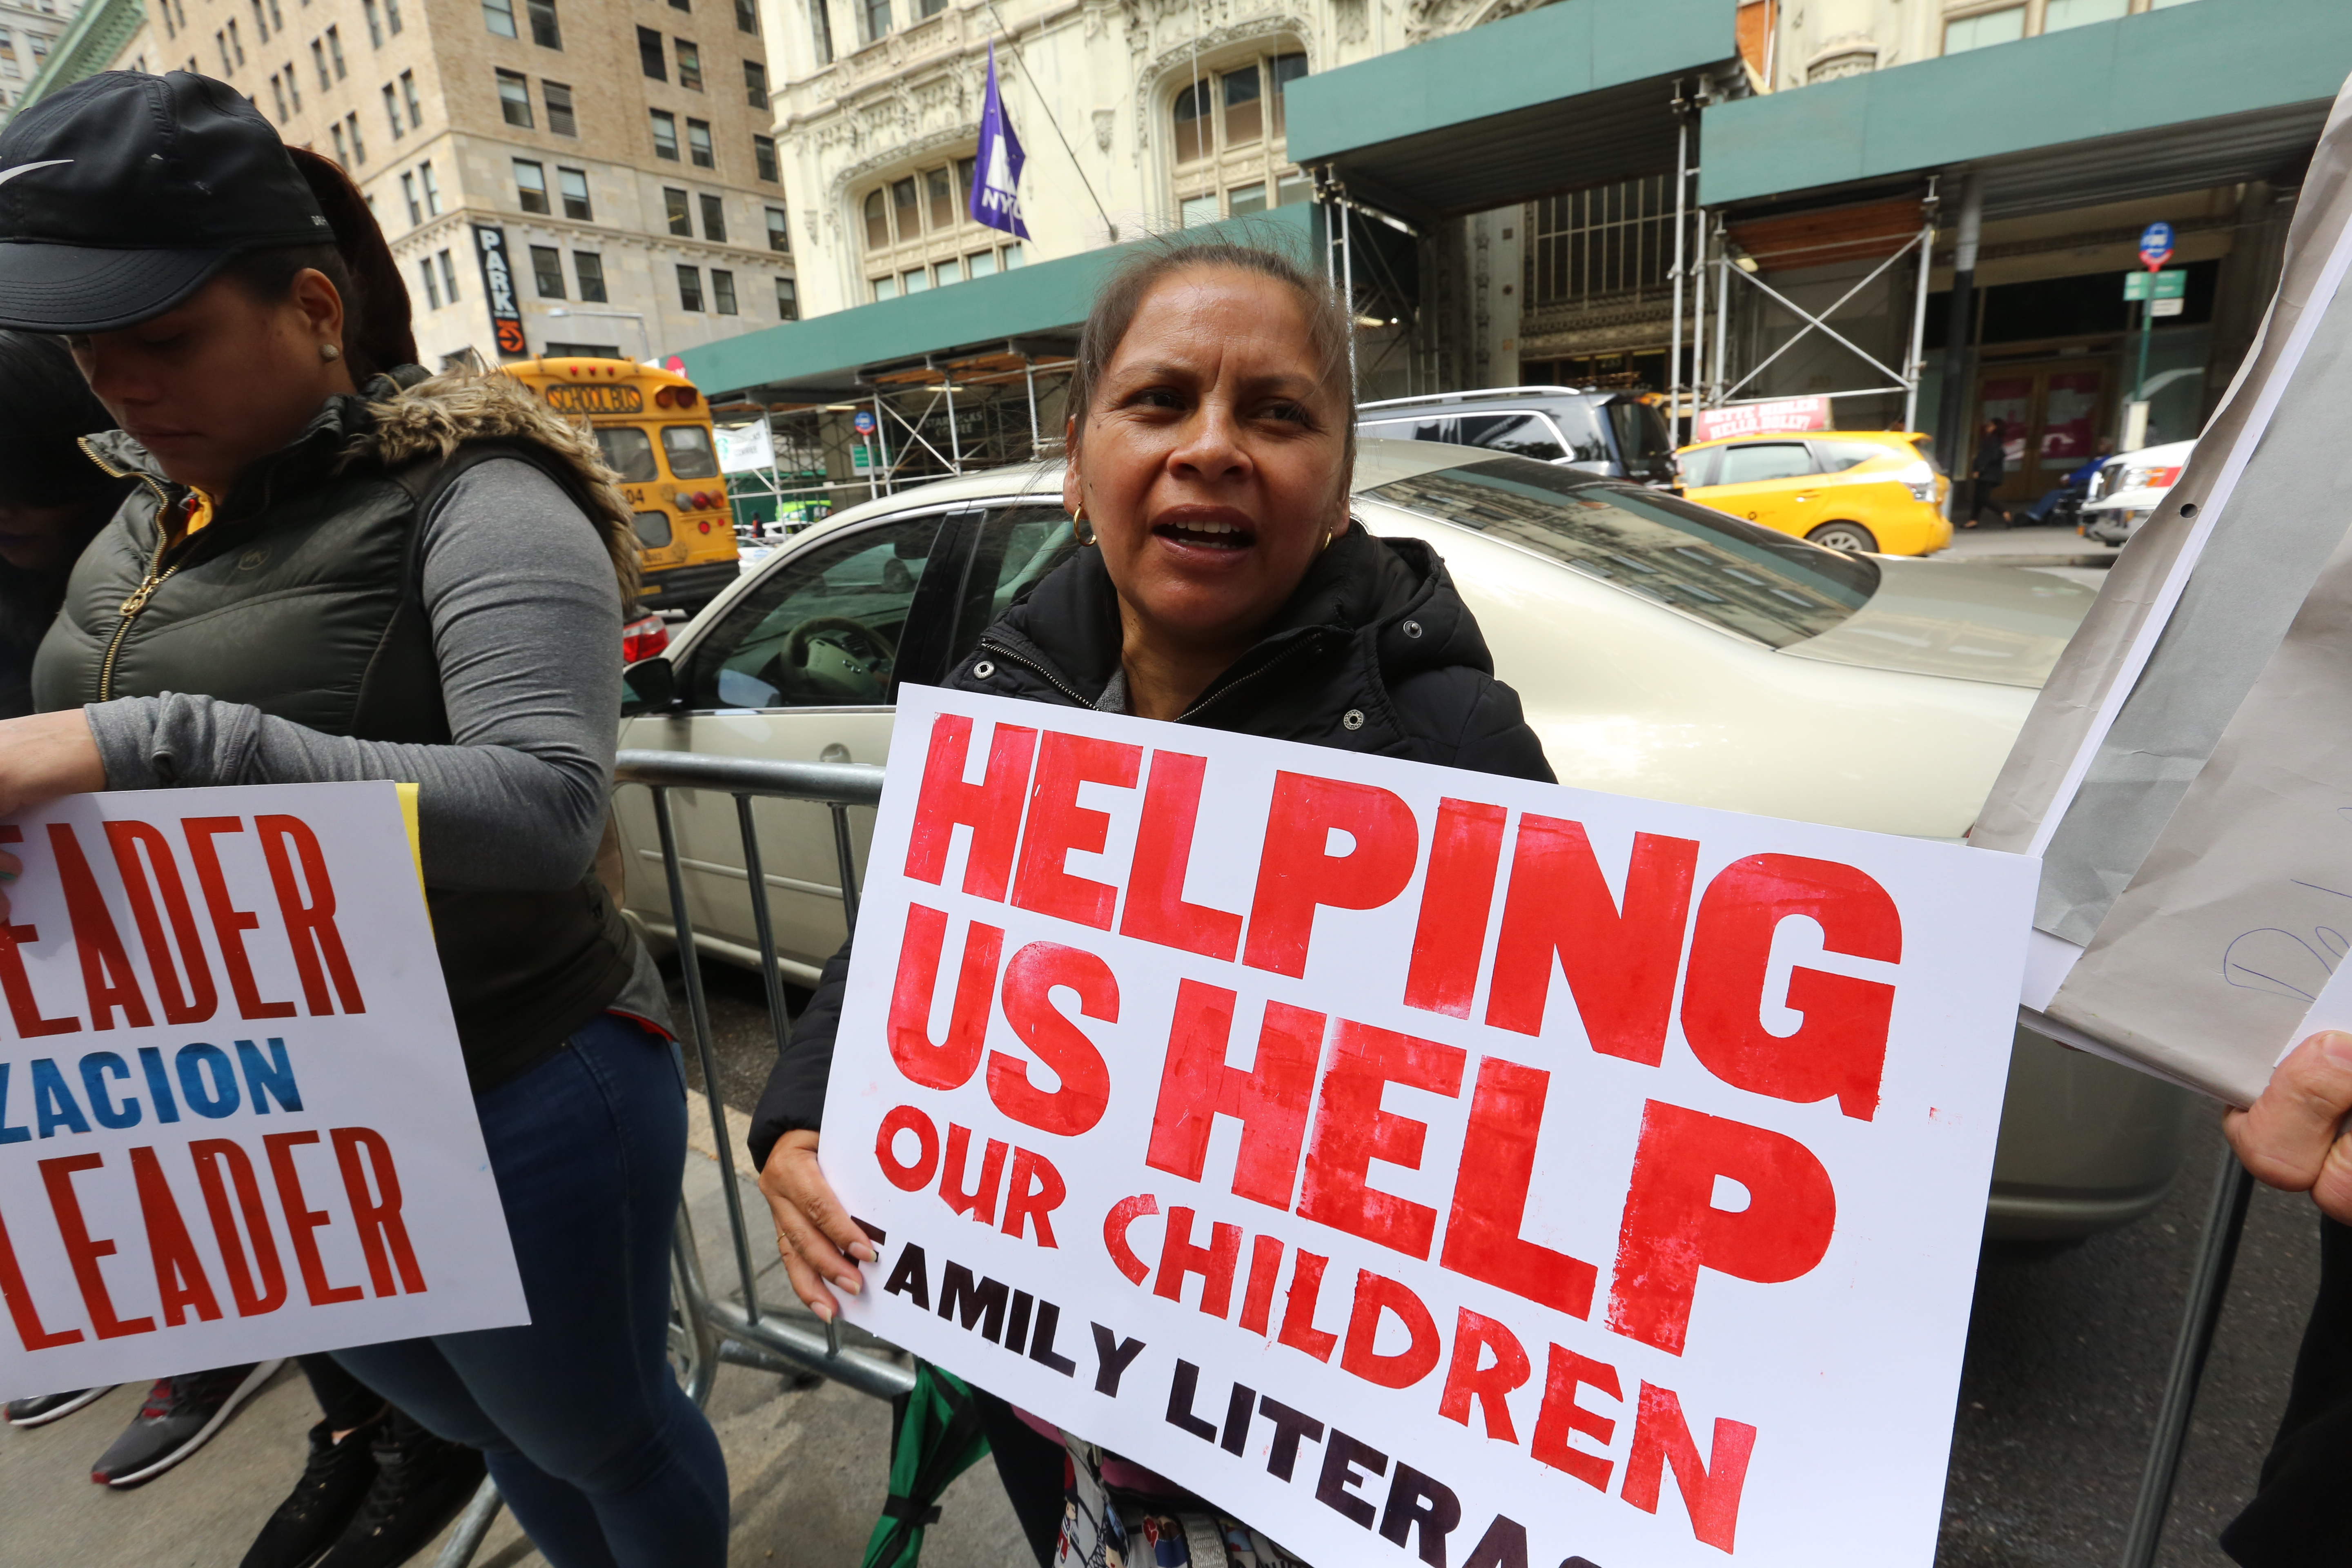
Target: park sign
x=234, y=1121
x=1426, y=1166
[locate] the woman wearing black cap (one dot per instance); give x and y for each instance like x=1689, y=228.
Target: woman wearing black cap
x=335, y=567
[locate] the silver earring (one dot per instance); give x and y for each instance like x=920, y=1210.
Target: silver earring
x=329, y=352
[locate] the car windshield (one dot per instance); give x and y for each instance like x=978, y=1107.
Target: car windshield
x=1732, y=574
x=1643, y=436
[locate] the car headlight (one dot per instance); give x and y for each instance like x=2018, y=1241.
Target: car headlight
x=2140, y=474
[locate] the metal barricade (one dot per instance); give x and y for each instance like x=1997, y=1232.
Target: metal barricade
x=704, y=1331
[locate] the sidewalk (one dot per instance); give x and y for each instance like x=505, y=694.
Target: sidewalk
x=2045, y=547
x=806, y=1467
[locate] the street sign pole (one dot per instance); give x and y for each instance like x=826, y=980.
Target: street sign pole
x=2155, y=250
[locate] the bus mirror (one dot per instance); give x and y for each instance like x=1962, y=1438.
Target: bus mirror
x=648, y=686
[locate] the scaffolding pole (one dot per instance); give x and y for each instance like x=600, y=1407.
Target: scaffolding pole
x=878, y=459
x=1029, y=378
x=955, y=447
x=1699, y=323
x=1682, y=222
x=1917, y=365
x=1722, y=303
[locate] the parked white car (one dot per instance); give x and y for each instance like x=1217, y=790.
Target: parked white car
x=2128, y=489
x=1659, y=647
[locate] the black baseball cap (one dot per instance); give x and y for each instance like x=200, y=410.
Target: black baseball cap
x=122, y=193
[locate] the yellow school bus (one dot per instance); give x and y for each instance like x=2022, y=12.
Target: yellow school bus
x=655, y=429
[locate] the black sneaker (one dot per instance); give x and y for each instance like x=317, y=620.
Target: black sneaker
x=180, y=1417
x=421, y=1484
x=323, y=1502
x=43, y=1408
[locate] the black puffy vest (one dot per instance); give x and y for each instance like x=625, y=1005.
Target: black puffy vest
x=304, y=598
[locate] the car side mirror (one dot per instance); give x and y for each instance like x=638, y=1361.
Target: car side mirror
x=649, y=685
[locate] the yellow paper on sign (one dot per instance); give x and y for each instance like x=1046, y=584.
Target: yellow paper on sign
x=415, y=845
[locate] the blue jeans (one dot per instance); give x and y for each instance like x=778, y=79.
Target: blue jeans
x=603, y=1457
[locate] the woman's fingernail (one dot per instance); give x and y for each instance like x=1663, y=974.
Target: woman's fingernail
x=823, y=1310
x=851, y=1283
x=862, y=1252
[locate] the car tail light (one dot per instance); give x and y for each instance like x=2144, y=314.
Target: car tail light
x=643, y=638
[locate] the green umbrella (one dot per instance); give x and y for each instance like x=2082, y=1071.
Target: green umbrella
x=938, y=1439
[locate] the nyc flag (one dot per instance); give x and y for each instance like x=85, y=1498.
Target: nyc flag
x=994, y=199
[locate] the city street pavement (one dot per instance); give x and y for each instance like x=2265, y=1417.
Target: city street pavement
x=1989, y=546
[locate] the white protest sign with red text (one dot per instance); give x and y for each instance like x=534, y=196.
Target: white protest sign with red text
x=233, y=1122
x=1425, y=1166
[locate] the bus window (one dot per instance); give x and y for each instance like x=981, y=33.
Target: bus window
x=688, y=449
x=630, y=451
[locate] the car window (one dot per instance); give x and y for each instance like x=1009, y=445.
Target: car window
x=1732, y=574
x=821, y=629
x=1018, y=546
x=1643, y=436
x=630, y=451
x=1522, y=435
x=1754, y=462
x=1580, y=425
x=1837, y=457
x=1697, y=469
x=688, y=447
x=1433, y=429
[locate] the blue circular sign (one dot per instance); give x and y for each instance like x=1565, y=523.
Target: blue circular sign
x=2156, y=236
x=864, y=423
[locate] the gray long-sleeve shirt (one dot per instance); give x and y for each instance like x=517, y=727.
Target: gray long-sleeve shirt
x=525, y=615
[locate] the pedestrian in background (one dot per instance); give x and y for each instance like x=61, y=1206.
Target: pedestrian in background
x=1211, y=444
x=336, y=567
x=1990, y=467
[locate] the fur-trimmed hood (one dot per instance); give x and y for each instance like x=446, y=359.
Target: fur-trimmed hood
x=408, y=416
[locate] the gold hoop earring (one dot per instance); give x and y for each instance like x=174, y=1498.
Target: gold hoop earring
x=329, y=352
x=1079, y=526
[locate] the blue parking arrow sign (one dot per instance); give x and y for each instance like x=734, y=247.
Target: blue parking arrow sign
x=2156, y=245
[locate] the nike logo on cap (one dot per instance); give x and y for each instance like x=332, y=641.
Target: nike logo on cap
x=8, y=175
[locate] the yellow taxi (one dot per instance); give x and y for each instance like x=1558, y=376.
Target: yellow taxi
x=1875, y=492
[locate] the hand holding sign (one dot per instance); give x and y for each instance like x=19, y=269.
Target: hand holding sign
x=1241, y=1106
x=41, y=758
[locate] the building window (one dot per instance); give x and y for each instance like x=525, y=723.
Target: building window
x=531, y=185
x=432, y=190
x=873, y=20
x=2059, y=15
x=432, y=284
x=755, y=84
x=293, y=87
x=317, y=58
x=747, y=16
x=665, y=134
x=359, y=147
x=689, y=63
x=764, y=157
x=547, y=271
x=391, y=14
x=981, y=264
x=236, y=45
x=680, y=212
x=714, y=218
x=821, y=31
x=722, y=291
x=408, y=195
x=449, y=277
x=589, y=268
x=260, y=23
x=278, y=92
x=1984, y=29
x=1228, y=140
x=391, y=110
x=573, y=186
x=558, y=109
x=343, y=154
x=1603, y=247
x=499, y=16
x=408, y=95
x=919, y=227
x=689, y=287
x=650, y=58
x=697, y=144
x=788, y=301
x=544, y=31
x=780, y=233
x=374, y=21
x=514, y=99
x=334, y=48
x=1015, y=256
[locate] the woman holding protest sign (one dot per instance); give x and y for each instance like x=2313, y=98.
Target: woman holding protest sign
x=1211, y=443
x=337, y=567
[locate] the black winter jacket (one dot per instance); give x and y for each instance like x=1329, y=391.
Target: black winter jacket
x=1374, y=653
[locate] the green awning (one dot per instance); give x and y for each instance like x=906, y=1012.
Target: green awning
x=2169, y=100
x=1574, y=94
x=825, y=354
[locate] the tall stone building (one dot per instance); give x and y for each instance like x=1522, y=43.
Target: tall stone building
x=28, y=30
x=617, y=154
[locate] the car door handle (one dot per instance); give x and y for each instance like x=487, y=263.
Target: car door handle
x=836, y=752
